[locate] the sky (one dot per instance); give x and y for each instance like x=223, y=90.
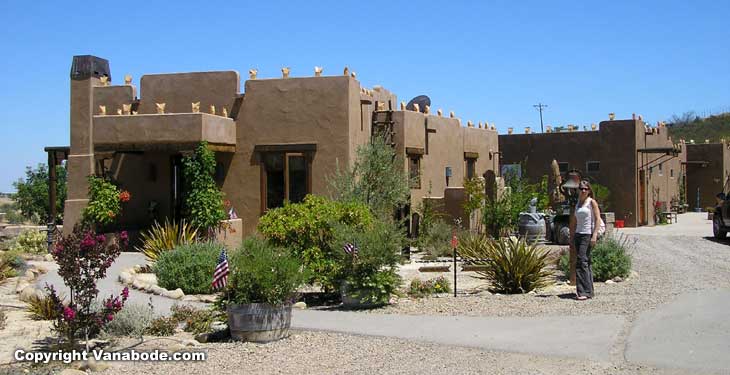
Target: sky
x=487, y=61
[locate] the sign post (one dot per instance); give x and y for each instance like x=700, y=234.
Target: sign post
x=454, y=245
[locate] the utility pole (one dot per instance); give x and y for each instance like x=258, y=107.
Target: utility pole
x=540, y=107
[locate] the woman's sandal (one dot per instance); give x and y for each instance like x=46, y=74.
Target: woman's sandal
x=581, y=298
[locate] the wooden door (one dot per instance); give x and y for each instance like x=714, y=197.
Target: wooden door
x=642, y=198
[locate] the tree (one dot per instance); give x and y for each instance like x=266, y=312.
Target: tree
x=377, y=179
x=32, y=195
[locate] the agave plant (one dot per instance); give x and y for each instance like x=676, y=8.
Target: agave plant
x=511, y=265
x=166, y=237
x=43, y=308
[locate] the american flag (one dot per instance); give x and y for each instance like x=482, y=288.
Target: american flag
x=220, y=276
x=350, y=248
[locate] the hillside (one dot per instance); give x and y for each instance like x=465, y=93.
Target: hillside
x=689, y=126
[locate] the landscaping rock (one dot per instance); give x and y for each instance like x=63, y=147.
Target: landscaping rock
x=300, y=305
x=22, y=284
x=29, y=274
x=174, y=294
x=617, y=279
x=30, y=292
x=157, y=290
x=137, y=268
x=125, y=277
x=137, y=284
x=208, y=298
x=48, y=258
x=94, y=366
x=71, y=371
x=610, y=282
x=146, y=278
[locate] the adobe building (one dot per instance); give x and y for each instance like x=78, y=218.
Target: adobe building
x=277, y=140
x=707, y=170
x=638, y=164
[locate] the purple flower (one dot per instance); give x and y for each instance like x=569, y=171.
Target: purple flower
x=88, y=241
x=57, y=250
x=124, y=236
x=125, y=292
x=100, y=238
x=69, y=313
x=109, y=317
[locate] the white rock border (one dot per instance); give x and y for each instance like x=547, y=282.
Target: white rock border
x=131, y=277
x=24, y=285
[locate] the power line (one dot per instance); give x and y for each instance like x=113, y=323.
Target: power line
x=540, y=107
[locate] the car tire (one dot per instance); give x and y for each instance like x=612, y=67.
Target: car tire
x=717, y=228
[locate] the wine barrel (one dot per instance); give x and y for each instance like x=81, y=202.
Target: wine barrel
x=259, y=322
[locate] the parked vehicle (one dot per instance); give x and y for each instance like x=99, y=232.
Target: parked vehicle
x=721, y=217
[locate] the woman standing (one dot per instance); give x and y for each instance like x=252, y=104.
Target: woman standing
x=584, y=227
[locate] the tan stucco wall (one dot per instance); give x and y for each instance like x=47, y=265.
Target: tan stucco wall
x=283, y=111
x=446, y=148
x=710, y=179
x=179, y=90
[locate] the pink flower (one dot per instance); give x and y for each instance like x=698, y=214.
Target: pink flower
x=57, y=250
x=88, y=241
x=100, y=238
x=124, y=236
x=69, y=313
x=109, y=317
x=125, y=292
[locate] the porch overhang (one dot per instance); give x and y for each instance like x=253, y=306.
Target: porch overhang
x=163, y=132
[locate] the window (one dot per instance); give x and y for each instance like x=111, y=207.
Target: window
x=661, y=172
x=593, y=166
x=414, y=171
x=564, y=167
x=471, y=164
x=511, y=170
x=286, y=177
x=671, y=173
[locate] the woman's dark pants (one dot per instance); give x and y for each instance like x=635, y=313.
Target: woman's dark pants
x=583, y=270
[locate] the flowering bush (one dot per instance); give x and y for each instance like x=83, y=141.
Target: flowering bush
x=83, y=257
x=105, y=201
x=420, y=288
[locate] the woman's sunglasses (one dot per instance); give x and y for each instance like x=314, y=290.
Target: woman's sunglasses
x=584, y=189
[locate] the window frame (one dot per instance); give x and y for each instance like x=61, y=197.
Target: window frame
x=305, y=150
x=560, y=166
x=596, y=162
x=414, y=183
x=473, y=162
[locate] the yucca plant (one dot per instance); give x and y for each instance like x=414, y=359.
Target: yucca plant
x=43, y=308
x=161, y=238
x=511, y=265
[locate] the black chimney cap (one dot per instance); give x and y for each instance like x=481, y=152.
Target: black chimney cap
x=87, y=66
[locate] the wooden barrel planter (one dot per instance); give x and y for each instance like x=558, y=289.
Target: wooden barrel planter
x=259, y=322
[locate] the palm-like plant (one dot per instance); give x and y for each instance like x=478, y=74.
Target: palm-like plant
x=166, y=237
x=511, y=265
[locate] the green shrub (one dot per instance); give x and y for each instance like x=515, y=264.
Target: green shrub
x=436, y=241
x=188, y=267
x=196, y=320
x=262, y=273
x=132, y=320
x=564, y=262
x=306, y=230
x=420, y=288
x=161, y=238
x=203, y=198
x=512, y=266
x=162, y=326
x=611, y=257
x=371, y=274
x=30, y=241
x=6, y=267
x=42, y=308
x=104, y=202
